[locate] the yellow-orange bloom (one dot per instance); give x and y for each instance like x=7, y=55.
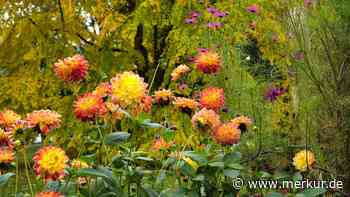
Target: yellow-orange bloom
x=243, y=122
x=78, y=164
x=71, y=68
x=89, y=106
x=49, y=194
x=6, y=156
x=179, y=72
x=227, y=134
x=160, y=144
x=208, y=62
x=50, y=162
x=212, y=98
x=9, y=119
x=185, y=104
x=6, y=139
x=163, y=96
x=206, y=120
x=45, y=120
x=304, y=160
x=128, y=88
x=103, y=90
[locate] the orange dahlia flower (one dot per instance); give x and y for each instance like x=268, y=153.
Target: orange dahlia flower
x=103, y=90
x=9, y=119
x=71, y=68
x=49, y=194
x=6, y=139
x=50, y=162
x=227, y=134
x=6, y=156
x=88, y=107
x=45, y=120
x=243, y=122
x=146, y=103
x=160, y=144
x=207, y=62
x=185, y=104
x=163, y=96
x=212, y=98
x=128, y=88
x=206, y=119
x=179, y=72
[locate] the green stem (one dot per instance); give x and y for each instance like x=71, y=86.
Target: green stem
x=27, y=172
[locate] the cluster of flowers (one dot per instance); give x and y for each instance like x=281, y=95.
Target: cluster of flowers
x=193, y=17
x=42, y=120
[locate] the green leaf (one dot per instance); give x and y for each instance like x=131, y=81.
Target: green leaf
x=148, y=124
x=5, y=178
x=313, y=192
x=150, y=192
x=231, y=173
x=218, y=164
x=144, y=158
x=198, y=157
x=236, y=166
x=116, y=138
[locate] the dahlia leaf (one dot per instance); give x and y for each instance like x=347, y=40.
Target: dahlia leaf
x=116, y=137
x=5, y=178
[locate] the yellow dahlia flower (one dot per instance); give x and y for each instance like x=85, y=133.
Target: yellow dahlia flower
x=128, y=88
x=206, y=119
x=243, y=122
x=163, y=96
x=88, y=107
x=49, y=194
x=212, y=98
x=304, y=160
x=71, y=68
x=6, y=156
x=45, y=120
x=227, y=134
x=50, y=162
x=185, y=104
x=9, y=119
x=6, y=139
x=208, y=62
x=179, y=72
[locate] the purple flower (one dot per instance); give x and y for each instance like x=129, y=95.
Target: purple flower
x=202, y=50
x=273, y=93
x=195, y=14
x=215, y=25
x=220, y=14
x=212, y=10
x=253, y=9
x=190, y=20
x=308, y=3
